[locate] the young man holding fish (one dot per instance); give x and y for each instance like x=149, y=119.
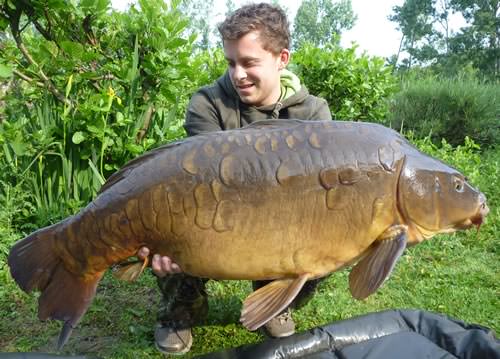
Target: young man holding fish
x=241, y=205
x=256, y=86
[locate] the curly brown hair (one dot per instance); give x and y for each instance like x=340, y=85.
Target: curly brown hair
x=269, y=20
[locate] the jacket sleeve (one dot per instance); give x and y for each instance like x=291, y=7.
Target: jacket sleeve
x=201, y=115
x=321, y=110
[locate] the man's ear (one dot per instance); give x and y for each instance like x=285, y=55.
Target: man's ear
x=284, y=57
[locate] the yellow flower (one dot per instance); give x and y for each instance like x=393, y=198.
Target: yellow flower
x=111, y=92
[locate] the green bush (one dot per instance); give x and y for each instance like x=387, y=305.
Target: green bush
x=211, y=64
x=448, y=108
x=355, y=87
x=465, y=158
x=88, y=95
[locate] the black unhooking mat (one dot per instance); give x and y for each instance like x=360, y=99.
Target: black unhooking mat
x=392, y=334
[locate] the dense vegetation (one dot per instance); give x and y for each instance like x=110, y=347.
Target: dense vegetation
x=84, y=89
x=450, y=108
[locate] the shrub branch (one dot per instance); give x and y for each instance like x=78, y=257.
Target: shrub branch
x=147, y=120
x=16, y=33
x=27, y=78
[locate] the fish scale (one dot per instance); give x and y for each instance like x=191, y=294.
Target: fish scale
x=281, y=200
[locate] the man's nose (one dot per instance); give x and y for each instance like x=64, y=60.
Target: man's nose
x=239, y=73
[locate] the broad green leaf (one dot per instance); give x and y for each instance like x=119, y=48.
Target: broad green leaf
x=94, y=6
x=120, y=120
x=7, y=153
x=93, y=129
x=102, y=5
x=11, y=4
x=69, y=84
x=50, y=48
x=108, y=142
x=85, y=4
x=73, y=49
x=3, y=23
x=178, y=42
x=78, y=137
x=19, y=148
x=57, y=4
x=133, y=148
x=5, y=71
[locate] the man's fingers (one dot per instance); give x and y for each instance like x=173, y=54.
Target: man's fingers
x=175, y=268
x=143, y=253
x=166, y=264
x=163, y=265
x=156, y=266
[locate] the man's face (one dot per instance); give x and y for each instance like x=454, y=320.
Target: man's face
x=254, y=72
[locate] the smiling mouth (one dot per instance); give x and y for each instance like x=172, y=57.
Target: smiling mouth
x=244, y=87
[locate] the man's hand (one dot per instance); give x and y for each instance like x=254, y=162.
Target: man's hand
x=161, y=265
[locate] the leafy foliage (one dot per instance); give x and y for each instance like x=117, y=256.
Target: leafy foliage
x=465, y=158
x=415, y=19
x=355, y=87
x=320, y=22
x=89, y=94
x=429, y=41
x=478, y=44
x=200, y=25
x=448, y=108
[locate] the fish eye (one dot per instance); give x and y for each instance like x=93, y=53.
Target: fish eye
x=459, y=185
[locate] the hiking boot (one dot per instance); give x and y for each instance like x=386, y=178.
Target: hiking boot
x=281, y=325
x=173, y=341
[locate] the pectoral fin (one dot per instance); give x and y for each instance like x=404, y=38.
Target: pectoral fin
x=268, y=301
x=130, y=271
x=376, y=266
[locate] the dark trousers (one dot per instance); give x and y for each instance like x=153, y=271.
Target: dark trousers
x=184, y=299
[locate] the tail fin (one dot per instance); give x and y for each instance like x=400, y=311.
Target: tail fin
x=35, y=265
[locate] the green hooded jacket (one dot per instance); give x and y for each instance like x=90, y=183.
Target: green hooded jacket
x=218, y=107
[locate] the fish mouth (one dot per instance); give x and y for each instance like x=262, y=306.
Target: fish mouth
x=476, y=220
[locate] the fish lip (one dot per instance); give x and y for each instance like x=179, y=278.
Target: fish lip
x=477, y=219
x=484, y=209
x=466, y=224
x=474, y=221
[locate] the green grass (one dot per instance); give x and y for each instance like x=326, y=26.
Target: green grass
x=456, y=275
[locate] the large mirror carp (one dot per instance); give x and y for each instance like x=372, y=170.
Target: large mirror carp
x=282, y=200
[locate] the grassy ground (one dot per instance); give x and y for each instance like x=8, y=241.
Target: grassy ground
x=456, y=275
